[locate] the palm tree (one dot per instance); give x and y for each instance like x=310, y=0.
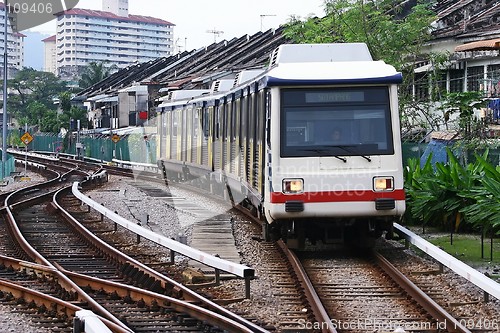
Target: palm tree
x=94, y=73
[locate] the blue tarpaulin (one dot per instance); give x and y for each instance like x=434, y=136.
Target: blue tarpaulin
x=437, y=148
x=494, y=105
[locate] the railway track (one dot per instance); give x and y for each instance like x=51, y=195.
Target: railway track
x=56, y=243
x=421, y=311
x=358, y=295
x=296, y=310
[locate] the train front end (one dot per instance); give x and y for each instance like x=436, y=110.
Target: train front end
x=334, y=163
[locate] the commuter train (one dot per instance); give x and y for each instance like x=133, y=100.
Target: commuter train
x=311, y=145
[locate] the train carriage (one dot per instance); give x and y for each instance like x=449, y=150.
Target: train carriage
x=311, y=145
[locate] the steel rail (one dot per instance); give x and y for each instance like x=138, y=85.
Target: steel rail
x=187, y=293
x=317, y=307
x=137, y=294
x=65, y=282
x=39, y=298
x=428, y=304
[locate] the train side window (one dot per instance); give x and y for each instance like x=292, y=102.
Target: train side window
x=243, y=119
x=229, y=120
x=224, y=121
x=267, y=108
x=175, y=122
x=206, y=122
x=234, y=112
x=196, y=122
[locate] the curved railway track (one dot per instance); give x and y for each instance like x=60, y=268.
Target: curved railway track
x=51, y=241
x=332, y=294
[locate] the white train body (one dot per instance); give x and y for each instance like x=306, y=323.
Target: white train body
x=312, y=144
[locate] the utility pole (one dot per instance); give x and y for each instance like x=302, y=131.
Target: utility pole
x=4, y=118
x=216, y=33
x=262, y=16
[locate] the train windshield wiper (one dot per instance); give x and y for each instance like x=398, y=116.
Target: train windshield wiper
x=325, y=150
x=350, y=151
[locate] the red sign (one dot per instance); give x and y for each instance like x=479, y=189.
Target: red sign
x=143, y=114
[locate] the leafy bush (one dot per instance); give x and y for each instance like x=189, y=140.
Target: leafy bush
x=449, y=194
x=484, y=212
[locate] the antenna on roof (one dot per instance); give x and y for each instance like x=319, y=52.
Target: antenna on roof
x=262, y=16
x=216, y=33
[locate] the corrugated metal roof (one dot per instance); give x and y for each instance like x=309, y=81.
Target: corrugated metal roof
x=490, y=44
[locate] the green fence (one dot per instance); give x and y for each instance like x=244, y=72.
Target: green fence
x=416, y=150
x=9, y=166
x=46, y=142
x=131, y=147
x=135, y=148
x=412, y=150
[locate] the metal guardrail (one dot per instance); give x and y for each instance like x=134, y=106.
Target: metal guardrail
x=87, y=322
x=202, y=257
x=477, y=278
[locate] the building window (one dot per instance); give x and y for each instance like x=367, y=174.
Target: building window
x=457, y=80
x=475, y=78
x=493, y=83
x=421, y=87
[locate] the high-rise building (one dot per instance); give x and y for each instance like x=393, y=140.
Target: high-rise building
x=49, y=64
x=118, y=7
x=111, y=36
x=15, y=46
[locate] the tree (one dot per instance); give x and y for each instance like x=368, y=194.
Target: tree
x=464, y=104
x=392, y=32
x=32, y=95
x=94, y=73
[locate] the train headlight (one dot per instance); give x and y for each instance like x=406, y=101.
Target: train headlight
x=383, y=184
x=293, y=186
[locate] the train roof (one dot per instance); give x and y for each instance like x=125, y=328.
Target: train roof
x=301, y=65
x=322, y=64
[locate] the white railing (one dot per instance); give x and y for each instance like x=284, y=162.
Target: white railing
x=86, y=321
x=474, y=276
x=187, y=251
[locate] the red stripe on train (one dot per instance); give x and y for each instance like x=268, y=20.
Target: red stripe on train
x=336, y=196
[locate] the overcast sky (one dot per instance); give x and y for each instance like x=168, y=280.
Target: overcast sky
x=193, y=18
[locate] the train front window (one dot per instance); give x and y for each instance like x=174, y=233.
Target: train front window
x=336, y=122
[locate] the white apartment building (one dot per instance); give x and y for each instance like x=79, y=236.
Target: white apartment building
x=111, y=36
x=15, y=46
x=49, y=64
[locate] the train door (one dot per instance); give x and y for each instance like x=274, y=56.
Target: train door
x=183, y=134
x=196, y=149
x=251, y=139
x=175, y=144
x=260, y=140
x=235, y=146
x=217, y=153
x=164, y=134
x=228, y=105
x=207, y=135
x=189, y=131
x=205, y=130
x=243, y=137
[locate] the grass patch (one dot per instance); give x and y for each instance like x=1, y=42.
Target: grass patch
x=467, y=248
